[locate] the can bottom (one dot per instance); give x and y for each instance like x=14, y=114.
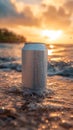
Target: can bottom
x=44, y=92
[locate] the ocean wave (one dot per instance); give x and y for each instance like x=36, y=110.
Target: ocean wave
x=60, y=68
x=54, y=68
x=10, y=63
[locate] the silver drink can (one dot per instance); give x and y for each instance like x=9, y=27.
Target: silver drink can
x=34, y=66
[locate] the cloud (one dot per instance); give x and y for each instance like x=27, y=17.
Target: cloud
x=69, y=6
x=56, y=18
x=26, y=18
x=51, y=17
x=9, y=15
x=7, y=9
x=30, y=1
x=53, y=2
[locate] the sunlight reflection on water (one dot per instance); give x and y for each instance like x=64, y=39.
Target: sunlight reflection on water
x=50, y=52
x=58, y=52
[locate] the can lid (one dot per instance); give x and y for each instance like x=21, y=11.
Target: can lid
x=34, y=46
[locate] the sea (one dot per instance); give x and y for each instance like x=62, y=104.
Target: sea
x=59, y=79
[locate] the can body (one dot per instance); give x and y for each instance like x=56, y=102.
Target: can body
x=34, y=66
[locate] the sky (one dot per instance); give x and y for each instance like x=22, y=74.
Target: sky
x=49, y=21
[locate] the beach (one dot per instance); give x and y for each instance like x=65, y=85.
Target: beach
x=32, y=112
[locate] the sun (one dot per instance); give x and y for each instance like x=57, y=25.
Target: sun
x=52, y=35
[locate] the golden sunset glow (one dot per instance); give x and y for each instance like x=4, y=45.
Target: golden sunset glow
x=51, y=46
x=52, y=35
x=36, y=64
x=48, y=21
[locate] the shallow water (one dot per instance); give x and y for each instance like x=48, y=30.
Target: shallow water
x=54, y=111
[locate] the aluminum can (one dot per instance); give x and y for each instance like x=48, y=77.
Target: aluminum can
x=34, y=66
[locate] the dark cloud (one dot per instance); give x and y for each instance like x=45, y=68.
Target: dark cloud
x=9, y=15
x=7, y=9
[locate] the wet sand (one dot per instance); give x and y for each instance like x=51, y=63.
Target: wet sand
x=30, y=112
x=51, y=112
